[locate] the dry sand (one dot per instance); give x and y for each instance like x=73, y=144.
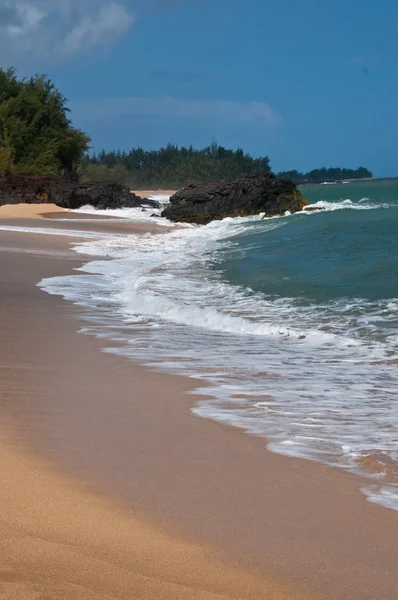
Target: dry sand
x=147, y=193
x=28, y=211
x=189, y=497
x=59, y=541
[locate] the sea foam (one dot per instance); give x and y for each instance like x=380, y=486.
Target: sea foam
x=315, y=388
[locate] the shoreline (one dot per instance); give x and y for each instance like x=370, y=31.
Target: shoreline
x=63, y=534
x=46, y=216
x=305, y=523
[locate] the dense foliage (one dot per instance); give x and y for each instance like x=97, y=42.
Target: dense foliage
x=171, y=166
x=36, y=135
x=326, y=174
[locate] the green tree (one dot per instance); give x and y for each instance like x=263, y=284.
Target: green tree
x=36, y=134
x=173, y=166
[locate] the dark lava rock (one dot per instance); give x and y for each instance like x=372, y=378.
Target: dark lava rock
x=31, y=189
x=248, y=195
x=137, y=201
x=100, y=194
x=103, y=195
x=68, y=193
x=313, y=208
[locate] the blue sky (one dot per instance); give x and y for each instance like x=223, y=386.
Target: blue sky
x=307, y=82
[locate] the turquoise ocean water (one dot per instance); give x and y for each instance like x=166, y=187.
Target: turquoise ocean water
x=347, y=251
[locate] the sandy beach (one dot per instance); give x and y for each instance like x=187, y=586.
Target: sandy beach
x=49, y=215
x=112, y=489
x=148, y=193
x=30, y=211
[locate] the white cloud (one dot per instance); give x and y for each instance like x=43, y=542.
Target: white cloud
x=220, y=110
x=47, y=31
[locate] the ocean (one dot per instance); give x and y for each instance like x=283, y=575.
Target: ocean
x=291, y=323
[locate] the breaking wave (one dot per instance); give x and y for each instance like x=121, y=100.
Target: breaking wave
x=311, y=370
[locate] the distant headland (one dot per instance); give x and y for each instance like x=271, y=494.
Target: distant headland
x=327, y=175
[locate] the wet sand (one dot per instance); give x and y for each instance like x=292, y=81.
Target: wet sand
x=129, y=433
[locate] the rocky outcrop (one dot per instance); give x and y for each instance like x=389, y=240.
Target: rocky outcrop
x=32, y=189
x=313, y=208
x=102, y=195
x=248, y=195
x=68, y=194
x=137, y=201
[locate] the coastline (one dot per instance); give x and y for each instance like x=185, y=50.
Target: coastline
x=61, y=536
x=129, y=432
x=45, y=216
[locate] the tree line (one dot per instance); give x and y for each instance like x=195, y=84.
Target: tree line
x=171, y=166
